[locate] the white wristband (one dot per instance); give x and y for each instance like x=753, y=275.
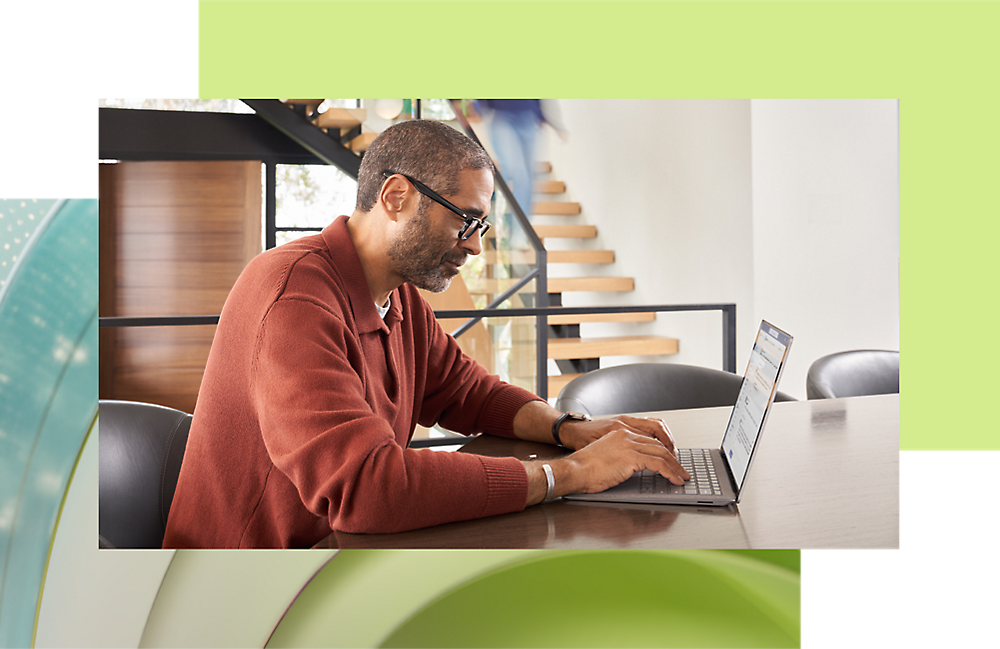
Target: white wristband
x=551, y=480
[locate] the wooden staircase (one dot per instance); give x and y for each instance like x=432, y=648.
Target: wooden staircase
x=573, y=354
x=347, y=124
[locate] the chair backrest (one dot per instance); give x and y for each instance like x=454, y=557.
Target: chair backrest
x=141, y=446
x=644, y=387
x=853, y=374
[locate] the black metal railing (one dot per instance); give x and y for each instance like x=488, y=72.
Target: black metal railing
x=475, y=315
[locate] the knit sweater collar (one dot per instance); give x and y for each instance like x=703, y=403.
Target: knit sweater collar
x=343, y=252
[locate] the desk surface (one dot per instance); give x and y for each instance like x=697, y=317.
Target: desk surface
x=826, y=475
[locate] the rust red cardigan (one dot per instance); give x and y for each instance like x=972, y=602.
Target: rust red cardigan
x=309, y=401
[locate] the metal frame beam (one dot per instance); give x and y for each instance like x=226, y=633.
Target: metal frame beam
x=305, y=134
x=139, y=134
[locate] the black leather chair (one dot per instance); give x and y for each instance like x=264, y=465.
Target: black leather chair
x=141, y=446
x=644, y=387
x=853, y=374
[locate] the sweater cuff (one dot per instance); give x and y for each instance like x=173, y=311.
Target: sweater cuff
x=507, y=485
x=500, y=411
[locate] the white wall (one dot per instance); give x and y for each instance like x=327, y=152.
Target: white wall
x=787, y=208
x=826, y=225
x=668, y=185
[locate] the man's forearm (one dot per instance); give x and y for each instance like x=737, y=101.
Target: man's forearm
x=533, y=422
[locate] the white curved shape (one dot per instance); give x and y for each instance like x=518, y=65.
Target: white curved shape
x=91, y=597
x=228, y=598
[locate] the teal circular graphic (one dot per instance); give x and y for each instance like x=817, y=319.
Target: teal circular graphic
x=48, y=388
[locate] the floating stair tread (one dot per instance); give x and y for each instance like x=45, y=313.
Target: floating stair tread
x=563, y=284
x=362, y=142
x=566, y=231
x=556, y=208
x=341, y=118
x=569, y=348
x=550, y=187
x=543, y=167
x=581, y=256
x=601, y=317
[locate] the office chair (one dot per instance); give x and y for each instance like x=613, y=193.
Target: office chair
x=140, y=446
x=644, y=387
x=853, y=374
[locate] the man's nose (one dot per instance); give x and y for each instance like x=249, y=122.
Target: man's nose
x=474, y=244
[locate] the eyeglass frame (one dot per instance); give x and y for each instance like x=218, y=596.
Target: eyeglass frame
x=481, y=225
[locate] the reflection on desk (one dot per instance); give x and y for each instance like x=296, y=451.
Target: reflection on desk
x=826, y=475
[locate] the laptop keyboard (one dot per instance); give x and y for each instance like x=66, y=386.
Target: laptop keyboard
x=698, y=462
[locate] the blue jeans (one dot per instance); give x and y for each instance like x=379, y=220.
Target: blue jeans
x=513, y=136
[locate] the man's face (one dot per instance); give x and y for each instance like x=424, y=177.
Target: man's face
x=428, y=252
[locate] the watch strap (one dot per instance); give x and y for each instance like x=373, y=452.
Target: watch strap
x=557, y=424
x=555, y=427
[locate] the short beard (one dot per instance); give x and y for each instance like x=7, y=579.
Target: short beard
x=418, y=255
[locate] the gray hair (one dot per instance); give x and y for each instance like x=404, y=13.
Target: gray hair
x=432, y=152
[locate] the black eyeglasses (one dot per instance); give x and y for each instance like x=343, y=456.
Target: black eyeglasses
x=472, y=223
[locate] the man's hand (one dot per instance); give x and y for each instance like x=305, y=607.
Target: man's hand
x=613, y=458
x=534, y=420
x=579, y=434
x=604, y=463
x=608, y=451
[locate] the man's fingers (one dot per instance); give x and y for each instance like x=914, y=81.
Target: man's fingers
x=652, y=427
x=664, y=461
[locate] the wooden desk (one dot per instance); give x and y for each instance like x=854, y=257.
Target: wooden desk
x=826, y=475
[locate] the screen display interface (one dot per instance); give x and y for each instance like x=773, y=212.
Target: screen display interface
x=756, y=394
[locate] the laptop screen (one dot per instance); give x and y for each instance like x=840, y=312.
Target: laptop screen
x=760, y=384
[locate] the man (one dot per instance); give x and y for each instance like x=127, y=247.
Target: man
x=326, y=357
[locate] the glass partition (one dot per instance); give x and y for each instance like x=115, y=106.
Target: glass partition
x=506, y=346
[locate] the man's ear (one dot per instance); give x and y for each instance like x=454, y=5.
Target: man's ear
x=396, y=196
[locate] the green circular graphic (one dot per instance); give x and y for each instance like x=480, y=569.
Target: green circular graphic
x=546, y=599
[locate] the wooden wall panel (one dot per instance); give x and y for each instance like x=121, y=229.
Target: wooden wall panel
x=174, y=238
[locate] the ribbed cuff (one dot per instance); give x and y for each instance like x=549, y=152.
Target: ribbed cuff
x=507, y=485
x=502, y=408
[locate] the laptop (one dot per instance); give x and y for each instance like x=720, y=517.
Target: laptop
x=718, y=474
